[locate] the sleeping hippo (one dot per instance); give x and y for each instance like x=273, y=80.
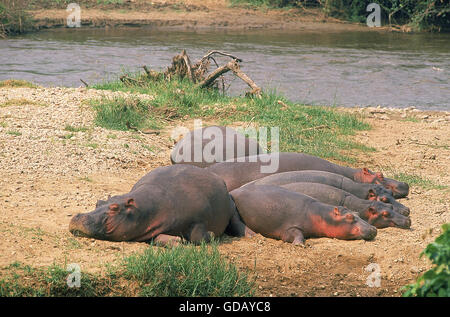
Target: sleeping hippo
x=205, y=146
x=376, y=213
x=360, y=190
x=300, y=161
x=281, y=214
x=166, y=205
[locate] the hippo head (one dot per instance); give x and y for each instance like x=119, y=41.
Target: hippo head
x=117, y=219
x=347, y=225
x=399, y=189
x=382, y=194
x=383, y=215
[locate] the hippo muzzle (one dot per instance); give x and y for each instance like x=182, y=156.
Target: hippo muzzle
x=399, y=189
x=87, y=225
x=367, y=231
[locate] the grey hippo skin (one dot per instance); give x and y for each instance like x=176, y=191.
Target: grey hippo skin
x=166, y=205
x=281, y=214
x=301, y=161
x=229, y=144
x=360, y=190
x=376, y=213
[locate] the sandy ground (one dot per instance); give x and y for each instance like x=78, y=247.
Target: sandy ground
x=50, y=174
x=194, y=14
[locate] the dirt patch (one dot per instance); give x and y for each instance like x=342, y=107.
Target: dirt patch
x=192, y=14
x=47, y=177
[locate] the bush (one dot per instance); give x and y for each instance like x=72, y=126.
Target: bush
x=436, y=281
x=13, y=17
x=423, y=14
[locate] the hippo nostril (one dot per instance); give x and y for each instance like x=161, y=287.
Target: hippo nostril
x=408, y=223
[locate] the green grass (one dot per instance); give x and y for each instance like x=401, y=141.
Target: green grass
x=70, y=128
x=411, y=119
x=416, y=180
x=92, y=145
x=86, y=179
x=316, y=130
x=263, y=3
x=15, y=133
x=19, y=280
x=185, y=270
x=14, y=83
x=20, y=102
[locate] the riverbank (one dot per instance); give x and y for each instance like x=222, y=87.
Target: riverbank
x=57, y=162
x=193, y=14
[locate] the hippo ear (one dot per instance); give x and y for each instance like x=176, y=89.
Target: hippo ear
x=336, y=211
x=100, y=203
x=379, y=175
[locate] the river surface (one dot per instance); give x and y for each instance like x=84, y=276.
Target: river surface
x=319, y=68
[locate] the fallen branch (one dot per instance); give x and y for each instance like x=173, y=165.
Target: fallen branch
x=234, y=67
x=84, y=83
x=220, y=53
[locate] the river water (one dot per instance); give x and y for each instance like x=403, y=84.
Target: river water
x=330, y=68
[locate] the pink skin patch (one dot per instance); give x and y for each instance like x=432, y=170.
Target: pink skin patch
x=345, y=228
x=366, y=176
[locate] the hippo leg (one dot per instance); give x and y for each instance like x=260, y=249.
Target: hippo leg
x=294, y=236
x=167, y=240
x=237, y=228
x=199, y=234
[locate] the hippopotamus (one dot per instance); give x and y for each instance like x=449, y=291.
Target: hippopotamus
x=281, y=214
x=360, y=190
x=167, y=205
x=213, y=144
x=376, y=213
x=300, y=161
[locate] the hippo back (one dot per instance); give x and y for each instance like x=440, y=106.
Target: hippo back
x=230, y=144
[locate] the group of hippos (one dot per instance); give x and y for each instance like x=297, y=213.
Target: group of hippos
x=195, y=201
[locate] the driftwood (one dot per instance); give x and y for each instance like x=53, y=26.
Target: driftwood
x=182, y=67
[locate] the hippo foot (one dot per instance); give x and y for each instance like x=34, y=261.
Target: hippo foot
x=166, y=240
x=295, y=236
x=299, y=242
x=199, y=234
x=249, y=232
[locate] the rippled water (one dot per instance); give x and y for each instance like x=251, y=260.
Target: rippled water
x=341, y=68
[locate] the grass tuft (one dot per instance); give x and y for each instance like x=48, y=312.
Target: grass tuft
x=14, y=83
x=416, y=180
x=316, y=130
x=186, y=271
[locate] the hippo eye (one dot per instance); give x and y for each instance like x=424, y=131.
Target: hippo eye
x=385, y=214
x=384, y=199
x=350, y=217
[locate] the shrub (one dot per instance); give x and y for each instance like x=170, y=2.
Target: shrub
x=13, y=17
x=436, y=281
